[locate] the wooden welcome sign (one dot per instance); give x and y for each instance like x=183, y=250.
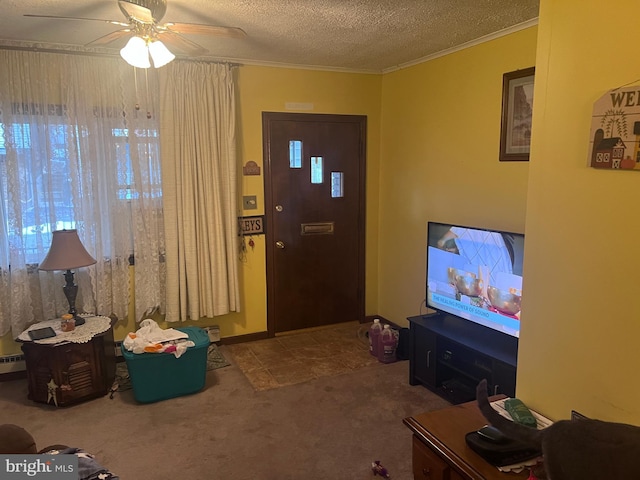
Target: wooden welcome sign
x=615, y=130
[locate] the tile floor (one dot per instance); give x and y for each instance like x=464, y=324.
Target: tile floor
x=300, y=356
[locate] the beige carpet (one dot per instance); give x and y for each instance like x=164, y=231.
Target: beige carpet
x=330, y=427
x=304, y=355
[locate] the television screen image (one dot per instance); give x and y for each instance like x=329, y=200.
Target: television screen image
x=476, y=274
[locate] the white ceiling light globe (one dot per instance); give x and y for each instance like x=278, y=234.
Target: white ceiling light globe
x=136, y=53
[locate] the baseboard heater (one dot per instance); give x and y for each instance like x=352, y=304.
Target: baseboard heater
x=12, y=363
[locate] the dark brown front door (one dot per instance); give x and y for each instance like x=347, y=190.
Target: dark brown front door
x=315, y=213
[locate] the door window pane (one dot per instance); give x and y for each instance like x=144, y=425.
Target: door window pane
x=295, y=154
x=337, y=190
x=316, y=169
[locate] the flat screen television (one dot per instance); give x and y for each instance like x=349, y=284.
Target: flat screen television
x=476, y=274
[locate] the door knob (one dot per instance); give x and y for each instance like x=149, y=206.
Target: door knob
x=279, y=244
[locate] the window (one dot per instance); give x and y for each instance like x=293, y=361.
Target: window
x=44, y=173
x=317, y=172
x=295, y=154
x=145, y=139
x=37, y=213
x=337, y=189
x=76, y=152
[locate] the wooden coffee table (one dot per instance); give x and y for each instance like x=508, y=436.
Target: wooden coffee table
x=439, y=448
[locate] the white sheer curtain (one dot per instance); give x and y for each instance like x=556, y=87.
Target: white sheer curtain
x=198, y=140
x=76, y=153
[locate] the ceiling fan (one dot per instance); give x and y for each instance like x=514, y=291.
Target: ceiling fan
x=147, y=34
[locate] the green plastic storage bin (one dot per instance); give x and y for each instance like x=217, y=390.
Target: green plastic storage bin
x=159, y=376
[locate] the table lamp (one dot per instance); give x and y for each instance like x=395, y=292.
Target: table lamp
x=66, y=253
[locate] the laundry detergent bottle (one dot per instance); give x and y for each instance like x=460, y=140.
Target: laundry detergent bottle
x=388, y=345
x=374, y=337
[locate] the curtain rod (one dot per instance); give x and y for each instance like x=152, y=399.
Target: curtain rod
x=101, y=54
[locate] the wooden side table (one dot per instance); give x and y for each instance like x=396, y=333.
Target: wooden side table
x=66, y=373
x=439, y=448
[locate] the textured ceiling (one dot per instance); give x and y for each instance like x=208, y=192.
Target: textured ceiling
x=355, y=35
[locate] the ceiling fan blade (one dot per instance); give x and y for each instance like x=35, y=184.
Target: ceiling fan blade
x=111, y=37
x=184, y=44
x=136, y=12
x=198, y=29
x=113, y=22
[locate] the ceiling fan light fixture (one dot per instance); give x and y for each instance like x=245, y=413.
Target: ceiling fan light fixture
x=160, y=54
x=136, y=53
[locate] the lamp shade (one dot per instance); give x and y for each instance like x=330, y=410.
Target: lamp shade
x=160, y=54
x=66, y=252
x=136, y=53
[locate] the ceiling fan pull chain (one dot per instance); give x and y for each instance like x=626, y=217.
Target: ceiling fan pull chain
x=146, y=79
x=135, y=83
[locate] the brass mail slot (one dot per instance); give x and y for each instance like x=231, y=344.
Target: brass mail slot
x=322, y=228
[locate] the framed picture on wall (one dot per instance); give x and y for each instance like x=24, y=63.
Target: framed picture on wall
x=517, y=110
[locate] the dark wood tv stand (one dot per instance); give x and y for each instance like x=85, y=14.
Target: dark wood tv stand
x=450, y=355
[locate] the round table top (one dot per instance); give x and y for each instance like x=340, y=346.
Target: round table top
x=92, y=326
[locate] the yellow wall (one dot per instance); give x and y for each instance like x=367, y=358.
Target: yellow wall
x=267, y=89
x=8, y=346
x=579, y=339
x=440, y=127
x=440, y=145
x=270, y=89
x=437, y=159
